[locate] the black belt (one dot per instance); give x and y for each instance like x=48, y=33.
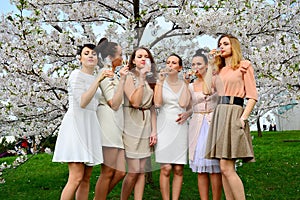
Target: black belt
x=231, y=100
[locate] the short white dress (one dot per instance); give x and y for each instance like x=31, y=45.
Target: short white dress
x=79, y=137
x=172, y=138
x=111, y=121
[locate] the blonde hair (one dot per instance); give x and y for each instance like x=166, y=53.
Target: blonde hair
x=236, y=56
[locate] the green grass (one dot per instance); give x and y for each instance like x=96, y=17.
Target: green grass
x=274, y=175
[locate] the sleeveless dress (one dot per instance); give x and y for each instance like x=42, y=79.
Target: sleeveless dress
x=111, y=121
x=79, y=137
x=203, y=106
x=137, y=124
x=172, y=138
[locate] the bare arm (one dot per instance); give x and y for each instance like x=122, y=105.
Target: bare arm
x=134, y=94
x=158, y=101
x=116, y=101
x=207, y=81
x=182, y=117
x=153, y=136
x=247, y=111
x=185, y=96
x=87, y=96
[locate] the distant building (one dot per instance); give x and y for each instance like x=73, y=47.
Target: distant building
x=288, y=118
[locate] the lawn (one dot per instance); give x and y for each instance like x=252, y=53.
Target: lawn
x=274, y=175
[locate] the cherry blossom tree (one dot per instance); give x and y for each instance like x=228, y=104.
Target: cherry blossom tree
x=39, y=42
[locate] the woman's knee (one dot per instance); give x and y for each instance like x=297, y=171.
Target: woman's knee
x=120, y=174
x=166, y=170
x=76, y=179
x=178, y=170
x=132, y=176
x=107, y=171
x=227, y=168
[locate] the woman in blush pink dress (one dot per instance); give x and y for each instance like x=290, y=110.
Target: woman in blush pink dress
x=204, y=92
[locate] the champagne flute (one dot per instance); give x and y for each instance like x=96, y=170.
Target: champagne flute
x=218, y=52
x=163, y=69
x=190, y=74
x=125, y=60
x=108, y=64
x=148, y=64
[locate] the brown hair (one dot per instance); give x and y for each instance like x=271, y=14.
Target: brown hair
x=151, y=80
x=236, y=53
x=132, y=56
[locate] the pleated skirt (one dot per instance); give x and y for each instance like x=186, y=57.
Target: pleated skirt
x=227, y=139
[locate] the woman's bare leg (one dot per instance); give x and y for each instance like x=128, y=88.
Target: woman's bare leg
x=233, y=185
x=140, y=183
x=82, y=192
x=177, y=181
x=216, y=185
x=120, y=171
x=76, y=172
x=164, y=180
x=130, y=178
x=203, y=186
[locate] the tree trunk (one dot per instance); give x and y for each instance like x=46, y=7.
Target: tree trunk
x=259, y=132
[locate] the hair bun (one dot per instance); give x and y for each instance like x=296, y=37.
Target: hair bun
x=103, y=42
x=200, y=51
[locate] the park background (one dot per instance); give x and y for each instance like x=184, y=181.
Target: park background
x=39, y=40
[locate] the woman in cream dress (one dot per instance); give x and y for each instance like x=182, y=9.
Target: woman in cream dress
x=139, y=125
x=110, y=115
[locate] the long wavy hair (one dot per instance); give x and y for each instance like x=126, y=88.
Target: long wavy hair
x=236, y=56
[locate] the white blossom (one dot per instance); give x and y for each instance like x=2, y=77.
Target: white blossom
x=38, y=48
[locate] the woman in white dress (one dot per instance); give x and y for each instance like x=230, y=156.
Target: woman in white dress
x=204, y=100
x=79, y=138
x=171, y=97
x=110, y=115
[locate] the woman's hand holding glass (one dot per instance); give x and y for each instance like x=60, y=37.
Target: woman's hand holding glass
x=189, y=75
x=163, y=73
x=145, y=70
x=108, y=64
x=214, y=52
x=104, y=74
x=123, y=71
